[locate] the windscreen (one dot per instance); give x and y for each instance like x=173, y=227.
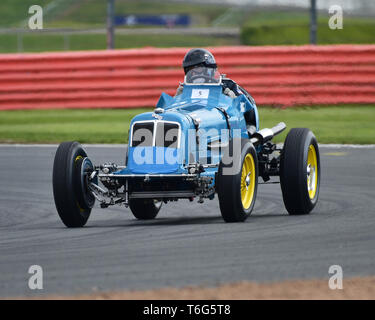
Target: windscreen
x=202, y=75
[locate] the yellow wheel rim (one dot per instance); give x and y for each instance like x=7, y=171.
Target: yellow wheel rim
x=312, y=172
x=247, y=181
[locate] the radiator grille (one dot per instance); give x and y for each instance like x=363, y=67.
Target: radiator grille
x=143, y=134
x=166, y=135
x=159, y=134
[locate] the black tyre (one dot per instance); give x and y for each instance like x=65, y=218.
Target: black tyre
x=72, y=198
x=145, y=209
x=237, y=181
x=300, y=171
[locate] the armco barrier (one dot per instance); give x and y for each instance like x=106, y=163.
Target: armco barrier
x=281, y=76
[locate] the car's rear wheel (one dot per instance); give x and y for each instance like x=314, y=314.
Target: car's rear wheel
x=237, y=181
x=73, y=199
x=300, y=171
x=145, y=209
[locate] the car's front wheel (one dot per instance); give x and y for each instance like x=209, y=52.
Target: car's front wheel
x=237, y=182
x=73, y=198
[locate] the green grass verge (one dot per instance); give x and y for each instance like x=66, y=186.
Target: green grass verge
x=259, y=26
x=92, y=13
x=13, y=12
x=331, y=124
x=51, y=126
x=292, y=28
x=48, y=42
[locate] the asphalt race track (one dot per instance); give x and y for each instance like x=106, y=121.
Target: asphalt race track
x=188, y=243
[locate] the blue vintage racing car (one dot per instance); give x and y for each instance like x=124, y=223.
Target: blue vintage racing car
x=195, y=145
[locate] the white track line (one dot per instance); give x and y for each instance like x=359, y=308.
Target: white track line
x=17, y=145
x=352, y=146
x=329, y=146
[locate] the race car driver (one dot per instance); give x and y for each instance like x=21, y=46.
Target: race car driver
x=200, y=67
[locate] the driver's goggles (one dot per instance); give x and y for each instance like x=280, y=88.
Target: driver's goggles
x=197, y=71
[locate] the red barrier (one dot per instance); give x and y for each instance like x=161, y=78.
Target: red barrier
x=282, y=76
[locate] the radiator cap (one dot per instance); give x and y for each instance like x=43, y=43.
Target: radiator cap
x=159, y=110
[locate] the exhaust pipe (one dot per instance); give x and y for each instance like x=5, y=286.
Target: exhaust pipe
x=265, y=135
